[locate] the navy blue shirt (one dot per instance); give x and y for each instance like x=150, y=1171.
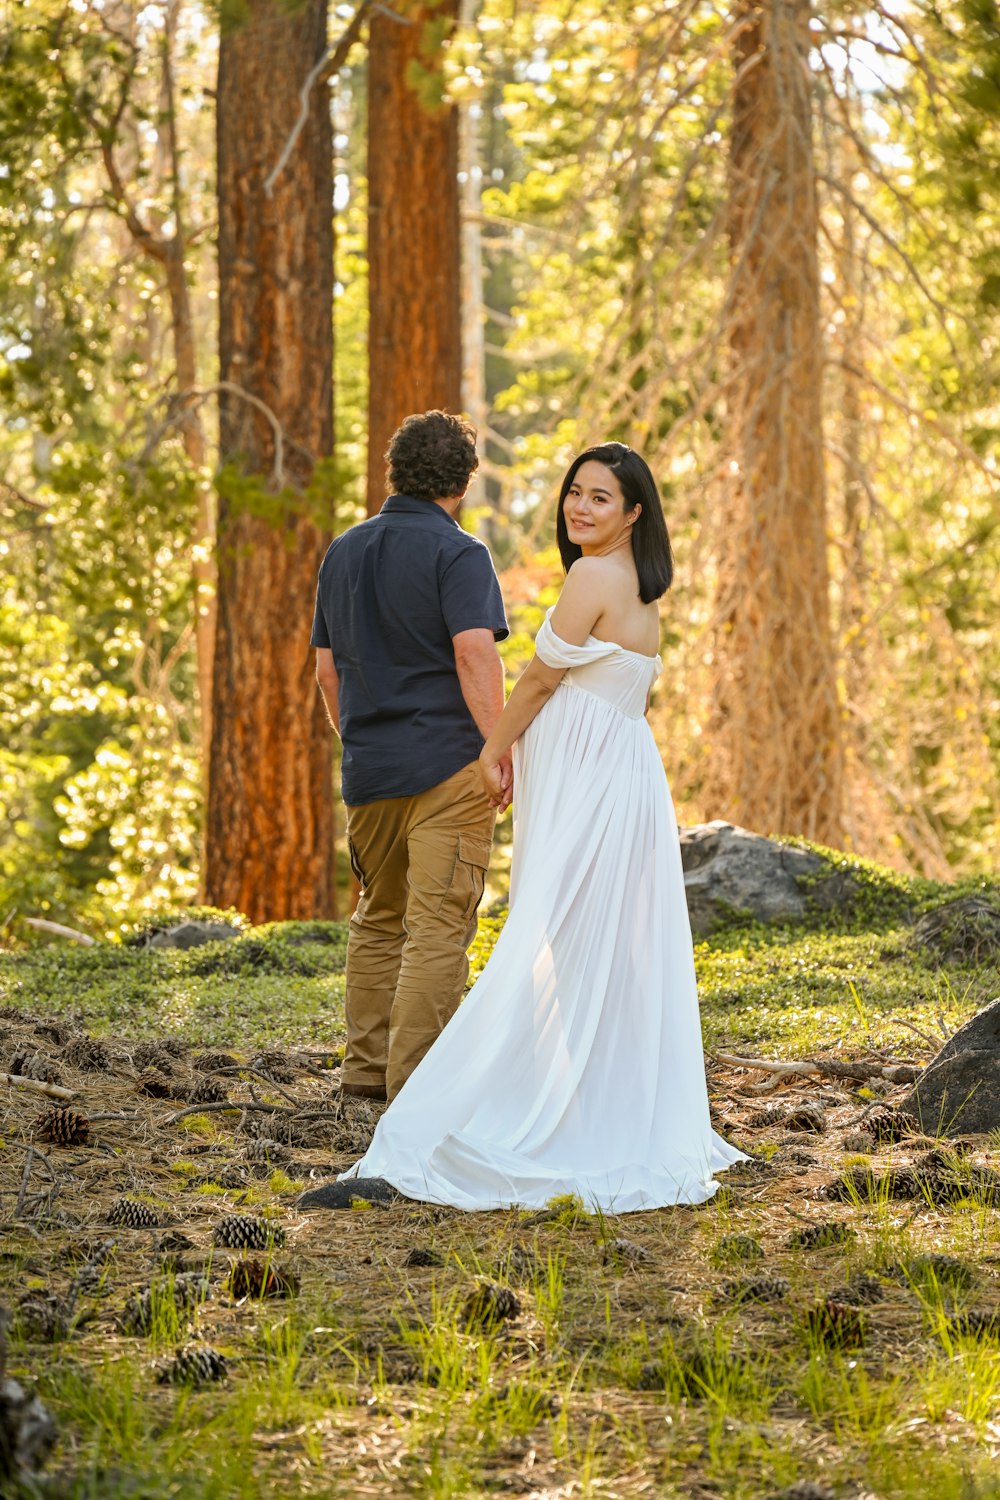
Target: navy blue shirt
x=392, y=593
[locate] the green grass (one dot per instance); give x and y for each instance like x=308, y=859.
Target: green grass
x=621, y=1376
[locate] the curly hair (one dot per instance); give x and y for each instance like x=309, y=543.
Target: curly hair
x=432, y=456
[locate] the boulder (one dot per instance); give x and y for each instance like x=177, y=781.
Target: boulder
x=958, y=1092
x=729, y=871
x=194, y=934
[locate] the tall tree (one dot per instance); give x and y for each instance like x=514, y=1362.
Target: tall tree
x=776, y=735
x=269, y=813
x=414, y=298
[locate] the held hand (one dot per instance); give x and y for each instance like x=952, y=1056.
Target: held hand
x=496, y=777
x=507, y=783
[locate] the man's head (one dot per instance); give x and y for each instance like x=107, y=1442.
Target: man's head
x=432, y=456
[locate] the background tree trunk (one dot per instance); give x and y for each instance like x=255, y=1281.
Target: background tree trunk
x=415, y=332
x=776, y=743
x=269, y=816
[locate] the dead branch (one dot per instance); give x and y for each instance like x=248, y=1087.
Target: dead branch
x=25, y=1177
x=22, y=499
x=53, y=1090
x=923, y=1035
x=328, y=64
x=217, y=1105
x=42, y=924
x=781, y=1072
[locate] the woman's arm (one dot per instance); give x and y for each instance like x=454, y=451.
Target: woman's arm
x=577, y=611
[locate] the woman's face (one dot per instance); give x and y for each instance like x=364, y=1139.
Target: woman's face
x=594, y=508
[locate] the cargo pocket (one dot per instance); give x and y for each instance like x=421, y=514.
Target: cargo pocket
x=470, y=872
x=355, y=862
x=359, y=911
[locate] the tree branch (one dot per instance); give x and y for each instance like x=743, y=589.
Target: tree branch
x=328, y=64
x=21, y=497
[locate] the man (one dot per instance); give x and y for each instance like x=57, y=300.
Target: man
x=408, y=613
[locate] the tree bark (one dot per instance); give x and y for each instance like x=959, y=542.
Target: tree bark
x=269, y=815
x=415, y=332
x=775, y=750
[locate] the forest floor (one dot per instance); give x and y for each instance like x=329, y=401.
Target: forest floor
x=826, y=1318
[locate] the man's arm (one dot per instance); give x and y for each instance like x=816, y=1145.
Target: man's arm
x=480, y=674
x=326, y=676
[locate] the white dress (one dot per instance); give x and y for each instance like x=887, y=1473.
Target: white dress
x=575, y=1063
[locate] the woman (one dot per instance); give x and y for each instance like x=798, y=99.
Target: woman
x=575, y=1064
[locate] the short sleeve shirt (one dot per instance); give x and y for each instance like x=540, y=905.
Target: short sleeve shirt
x=392, y=593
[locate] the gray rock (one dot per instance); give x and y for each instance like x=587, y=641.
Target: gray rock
x=193, y=934
x=959, y=1090
x=729, y=870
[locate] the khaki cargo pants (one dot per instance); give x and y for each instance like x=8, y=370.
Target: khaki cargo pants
x=422, y=866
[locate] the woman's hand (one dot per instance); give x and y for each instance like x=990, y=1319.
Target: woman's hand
x=498, y=778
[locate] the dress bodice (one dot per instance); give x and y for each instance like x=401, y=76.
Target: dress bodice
x=609, y=671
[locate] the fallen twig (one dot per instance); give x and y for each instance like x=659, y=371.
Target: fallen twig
x=812, y=1067
x=924, y=1036
x=25, y=1178
x=42, y=924
x=256, y=1073
x=112, y=1114
x=217, y=1105
x=53, y=1090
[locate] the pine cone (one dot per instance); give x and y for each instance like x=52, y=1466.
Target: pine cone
x=820, y=1236
x=838, y=1325
x=806, y=1116
x=41, y=1317
x=265, y=1152
x=210, y=1062
x=944, y=1270
x=863, y=1185
x=34, y=1065
x=151, y=1055
x=175, y=1240
x=132, y=1213
x=975, y=1324
x=757, y=1289
x=861, y=1291
x=489, y=1306
x=246, y=1232
x=423, y=1256
x=652, y=1376
x=208, y=1090
x=772, y=1114
x=88, y=1054
x=255, y=1278
x=946, y=1157
x=187, y=1291
x=623, y=1252
x=63, y=1127
x=196, y=1365
x=733, y=1248
x=175, y=1046
x=889, y=1124
x=519, y=1264
x=155, y=1083
x=274, y=1065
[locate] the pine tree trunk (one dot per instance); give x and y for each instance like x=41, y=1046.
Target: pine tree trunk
x=415, y=333
x=269, y=817
x=775, y=746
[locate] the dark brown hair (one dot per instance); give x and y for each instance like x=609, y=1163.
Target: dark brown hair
x=654, y=560
x=432, y=456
